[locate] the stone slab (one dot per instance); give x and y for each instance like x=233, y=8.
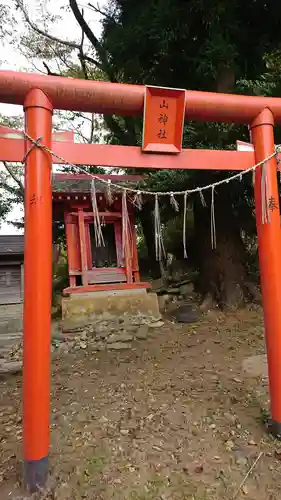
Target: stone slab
x=11, y=316
x=10, y=367
x=119, y=337
x=255, y=366
x=11, y=311
x=9, y=340
x=119, y=346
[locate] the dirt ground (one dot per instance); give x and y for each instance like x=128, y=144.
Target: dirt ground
x=175, y=418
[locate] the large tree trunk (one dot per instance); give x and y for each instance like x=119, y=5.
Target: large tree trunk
x=223, y=277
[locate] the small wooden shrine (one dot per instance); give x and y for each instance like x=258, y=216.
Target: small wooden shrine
x=95, y=265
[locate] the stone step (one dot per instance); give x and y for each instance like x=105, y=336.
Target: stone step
x=10, y=325
x=9, y=340
x=11, y=335
x=10, y=366
x=4, y=352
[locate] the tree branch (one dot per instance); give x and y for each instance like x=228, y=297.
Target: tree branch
x=38, y=30
x=99, y=11
x=81, y=54
x=49, y=71
x=91, y=37
x=92, y=128
x=123, y=135
x=15, y=178
x=82, y=57
x=84, y=67
x=90, y=60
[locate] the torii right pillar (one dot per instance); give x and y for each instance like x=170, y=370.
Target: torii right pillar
x=269, y=246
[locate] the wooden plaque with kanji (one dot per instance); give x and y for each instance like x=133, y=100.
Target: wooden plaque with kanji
x=163, y=120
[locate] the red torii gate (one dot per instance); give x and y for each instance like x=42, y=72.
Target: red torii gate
x=39, y=95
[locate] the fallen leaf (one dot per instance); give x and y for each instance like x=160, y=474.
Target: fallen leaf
x=156, y=324
x=229, y=445
x=252, y=442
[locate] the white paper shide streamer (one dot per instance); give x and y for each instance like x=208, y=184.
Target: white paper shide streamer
x=126, y=228
x=184, y=225
x=159, y=243
x=202, y=199
x=174, y=202
x=137, y=200
x=97, y=223
x=108, y=193
x=213, y=221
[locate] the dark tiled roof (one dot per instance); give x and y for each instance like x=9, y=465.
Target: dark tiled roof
x=12, y=244
x=84, y=186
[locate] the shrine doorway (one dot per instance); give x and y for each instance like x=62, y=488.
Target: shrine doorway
x=104, y=256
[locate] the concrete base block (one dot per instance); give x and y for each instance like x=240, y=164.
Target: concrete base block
x=82, y=309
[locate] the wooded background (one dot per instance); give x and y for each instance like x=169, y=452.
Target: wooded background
x=211, y=45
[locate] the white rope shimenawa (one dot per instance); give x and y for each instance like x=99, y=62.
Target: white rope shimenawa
x=139, y=193
x=159, y=193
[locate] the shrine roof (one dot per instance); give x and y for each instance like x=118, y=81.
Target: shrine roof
x=12, y=244
x=81, y=183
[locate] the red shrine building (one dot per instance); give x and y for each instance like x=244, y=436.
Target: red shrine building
x=92, y=267
x=110, y=268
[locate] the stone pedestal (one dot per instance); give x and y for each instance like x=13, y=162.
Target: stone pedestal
x=83, y=309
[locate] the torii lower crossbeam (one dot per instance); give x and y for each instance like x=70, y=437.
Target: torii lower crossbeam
x=131, y=156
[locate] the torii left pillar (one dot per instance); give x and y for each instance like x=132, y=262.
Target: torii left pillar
x=37, y=290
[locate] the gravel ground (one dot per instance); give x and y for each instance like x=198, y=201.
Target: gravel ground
x=173, y=418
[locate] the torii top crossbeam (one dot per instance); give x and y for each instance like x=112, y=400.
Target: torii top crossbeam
x=123, y=99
